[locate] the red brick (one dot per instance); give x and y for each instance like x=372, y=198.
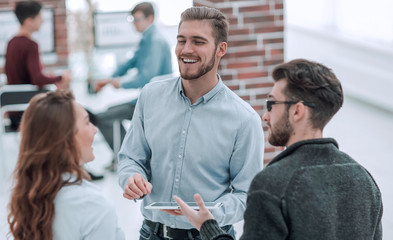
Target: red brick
x=226, y=77
x=60, y=27
x=279, y=6
x=6, y=6
x=272, y=62
x=241, y=65
x=273, y=40
x=232, y=20
x=241, y=31
x=61, y=41
x=242, y=43
x=252, y=75
x=256, y=108
x=277, y=51
x=234, y=87
x=247, y=54
x=245, y=98
x=259, y=85
x=268, y=29
x=270, y=149
x=259, y=19
x=254, y=8
x=263, y=96
x=227, y=11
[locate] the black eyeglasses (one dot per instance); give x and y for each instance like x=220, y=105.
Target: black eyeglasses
x=131, y=19
x=270, y=103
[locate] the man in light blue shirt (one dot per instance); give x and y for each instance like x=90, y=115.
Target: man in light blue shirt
x=192, y=134
x=152, y=58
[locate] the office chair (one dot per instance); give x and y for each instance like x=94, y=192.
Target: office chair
x=15, y=98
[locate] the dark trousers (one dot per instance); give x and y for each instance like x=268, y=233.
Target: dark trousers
x=104, y=121
x=15, y=118
x=147, y=233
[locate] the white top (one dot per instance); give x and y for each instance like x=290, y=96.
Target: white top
x=83, y=212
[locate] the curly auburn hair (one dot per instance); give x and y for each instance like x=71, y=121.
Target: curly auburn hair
x=47, y=150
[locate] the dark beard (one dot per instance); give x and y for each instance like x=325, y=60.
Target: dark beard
x=202, y=71
x=280, y=133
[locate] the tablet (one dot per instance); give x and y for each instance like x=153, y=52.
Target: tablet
x=174, y=205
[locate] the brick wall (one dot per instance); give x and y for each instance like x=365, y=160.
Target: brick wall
x=60, y=26
x=255, y=47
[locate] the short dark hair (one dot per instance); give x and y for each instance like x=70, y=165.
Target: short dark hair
x=27, y=9
x=313, y=82
x=216, y=18
x=145, y=7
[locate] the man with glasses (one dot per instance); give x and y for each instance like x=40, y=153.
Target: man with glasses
x=152, y=58
x=311, y=190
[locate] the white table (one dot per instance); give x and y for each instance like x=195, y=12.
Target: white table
x=101, y=101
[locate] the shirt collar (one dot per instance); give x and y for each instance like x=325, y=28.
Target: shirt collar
x=308, y=142
x=205, y=98
x=148, y=31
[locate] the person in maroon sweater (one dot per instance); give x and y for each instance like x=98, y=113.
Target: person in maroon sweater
x=22, y=59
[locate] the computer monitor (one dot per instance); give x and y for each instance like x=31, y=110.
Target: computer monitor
x=45, y=37
x=111, y=30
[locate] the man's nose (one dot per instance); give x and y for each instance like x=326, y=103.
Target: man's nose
x=266, y=116
x=188, y=48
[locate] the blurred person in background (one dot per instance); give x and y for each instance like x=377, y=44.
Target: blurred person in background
x=22, y=58
x=151, y=59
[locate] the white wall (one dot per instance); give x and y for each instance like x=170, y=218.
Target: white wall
x=365, y=69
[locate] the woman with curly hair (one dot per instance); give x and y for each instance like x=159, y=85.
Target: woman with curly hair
x=52, y=198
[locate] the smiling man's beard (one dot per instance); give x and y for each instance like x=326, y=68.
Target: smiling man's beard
x=202, y=70
x=281, y=131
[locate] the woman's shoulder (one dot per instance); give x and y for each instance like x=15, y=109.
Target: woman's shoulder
x=82, y=209
x=84, y=194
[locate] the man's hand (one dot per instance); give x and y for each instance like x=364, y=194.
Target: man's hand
x=99, y=84
x=116, y=83
x=65, y=81
x=137, y=187
x=196, y=218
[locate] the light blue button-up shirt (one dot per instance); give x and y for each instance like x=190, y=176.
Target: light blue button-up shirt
x=213, y=147
x=151, y=59
x=82, y=211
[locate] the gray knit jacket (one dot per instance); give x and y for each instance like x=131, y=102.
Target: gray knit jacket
x=310, y=191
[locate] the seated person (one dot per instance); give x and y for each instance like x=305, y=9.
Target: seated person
x=51, y=198
x=152, y=58
x=311, y=190
x=22, y=58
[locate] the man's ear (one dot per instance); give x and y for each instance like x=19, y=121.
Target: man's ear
x=27, y=21
x=150, y=19
x=299, y=111
x=221, y=49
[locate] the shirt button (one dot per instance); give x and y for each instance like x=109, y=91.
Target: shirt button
x=172, y=226
x=179, y=155
x=184, y=132
x=177, y=179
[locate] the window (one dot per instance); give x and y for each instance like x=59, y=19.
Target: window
x=369, y=20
